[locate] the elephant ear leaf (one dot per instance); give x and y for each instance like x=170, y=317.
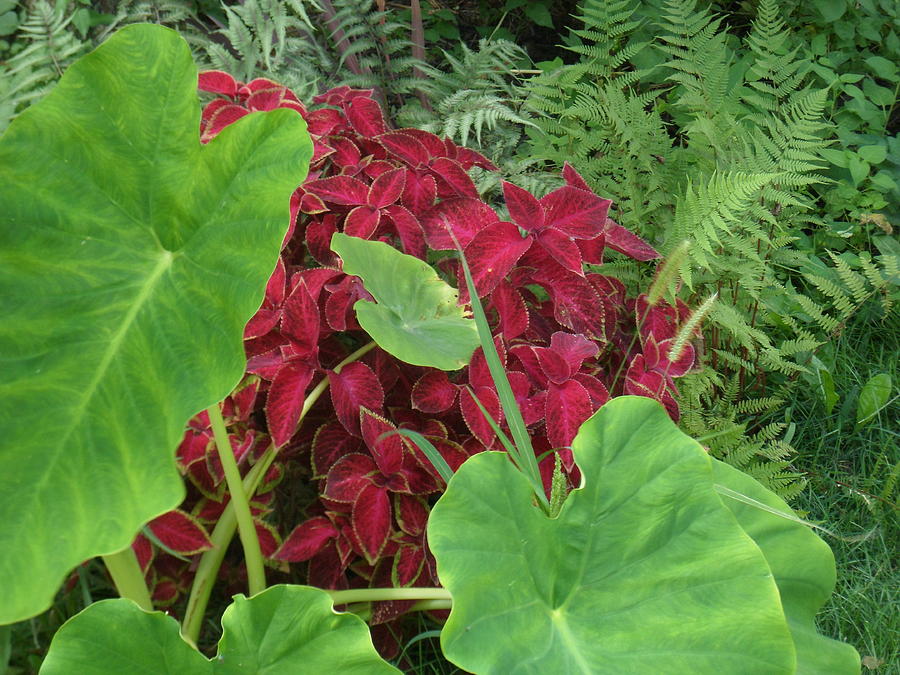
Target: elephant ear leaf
x=644, y=570
x=416, y=318
x=802, y=564
x=284, y=629
x=130, y=260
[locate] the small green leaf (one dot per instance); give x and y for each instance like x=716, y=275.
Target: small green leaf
x=284, y=629
x=831, y=10
x=874, y=396
x=826, y=385
x=417, y=318
x=839, y=158
x=882, y=67
x=539, y=13
x=874, y=154
x=884, y=180
x=859, y=169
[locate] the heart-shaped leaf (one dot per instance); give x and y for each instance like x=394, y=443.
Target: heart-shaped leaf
x=416, y=318
x=643, y=571
x=130, y=260
x=802, y=564
x=284, y=629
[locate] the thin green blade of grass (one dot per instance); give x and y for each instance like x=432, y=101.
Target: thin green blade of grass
x=426, y=446
x=524, y=451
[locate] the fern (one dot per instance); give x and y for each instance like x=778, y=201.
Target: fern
x=478, y=93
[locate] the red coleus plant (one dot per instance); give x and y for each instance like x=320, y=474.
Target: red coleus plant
x=570, y=339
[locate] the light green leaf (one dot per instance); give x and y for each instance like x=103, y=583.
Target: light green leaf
x=131, y=258
x=803, y=566
x=874, y=396
x=882, y=67
x=874, y=154
x=643, y=571
x=539, y=13
x=859, y=169
x=284, y=629
x=831, y=10
x=417, y=318
x=826, y=385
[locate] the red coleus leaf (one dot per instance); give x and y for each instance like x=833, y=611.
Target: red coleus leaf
x=642, y=382
x=474, y=418
x=300, y=321
x=144, y=551
x=524, y=208
x=576, y=305
x=386, y=188
x=165, y=592
x=349, y=475
x=405, y=147
x=365, y=116
x=347, y=154
x=362, y=222
x=433, y=392
x=339, y=190
x=575, y=212
x=239, y=406
x=194, y=446
x=562, y=249
x=469, y=158
x=511, y=310
x=597, y=390
x=408, y=229
x=388, y=451
x=287, y=394
x=656, y=357
x=324, y=121
x=218, y=115
x=434, y=145
x=371, y=520
x=554, y=365
x=492, y=253
x=180, y=532
x=354, y=388
x=338, y=95
x=217, y=82
x=624, y=241
x=479, y=373
x=419, y=191
x=326, y=569
x=275, y=287
x=407, y=566
x=339, y=306
x=411, y=513
x=452, y=180
x=573, y=178
x=269, y=539
x=568, y=405
x=307, y=539
x=261, y=323
x=466, y=217
x=592, y=249
x=573, y=348
x=331, y=442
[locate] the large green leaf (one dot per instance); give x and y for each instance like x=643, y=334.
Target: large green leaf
x=417, y=318
x=130, y=259
x=284, y=629
x=644, y=570
x=802, y=564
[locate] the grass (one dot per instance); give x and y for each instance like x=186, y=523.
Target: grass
x=853, y=490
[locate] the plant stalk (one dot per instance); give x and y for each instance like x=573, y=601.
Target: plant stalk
x=352, y=595
x=256, y=572
x=211, y=560
x=128, y=578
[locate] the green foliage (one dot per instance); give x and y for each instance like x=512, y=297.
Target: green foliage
x=47, y=37
x=475, y=95
x=700, y=137
x=116, y=287
x=416, y=318
x=549, y=614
